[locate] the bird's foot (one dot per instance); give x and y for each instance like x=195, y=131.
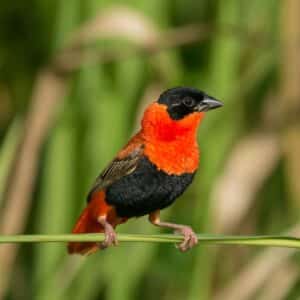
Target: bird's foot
x=189, y=238
x=110, y=238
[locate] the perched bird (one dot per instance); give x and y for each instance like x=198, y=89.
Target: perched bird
x=150, y=172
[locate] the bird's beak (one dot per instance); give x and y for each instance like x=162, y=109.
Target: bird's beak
x=208, y=103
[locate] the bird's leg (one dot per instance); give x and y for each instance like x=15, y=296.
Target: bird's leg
x=190, y=238
x=110, y=234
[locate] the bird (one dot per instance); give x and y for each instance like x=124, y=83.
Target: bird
x=150, y=172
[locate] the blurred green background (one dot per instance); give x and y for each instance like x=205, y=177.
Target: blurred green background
x=75, y=77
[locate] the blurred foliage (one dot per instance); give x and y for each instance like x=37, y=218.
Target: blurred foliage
x=234, y=57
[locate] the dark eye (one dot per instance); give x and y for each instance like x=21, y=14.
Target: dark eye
x=188, y=101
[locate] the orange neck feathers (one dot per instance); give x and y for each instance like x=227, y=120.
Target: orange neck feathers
x=171, y=144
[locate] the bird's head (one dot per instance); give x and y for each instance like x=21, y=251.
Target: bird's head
x=177, y=112
x=183, y=101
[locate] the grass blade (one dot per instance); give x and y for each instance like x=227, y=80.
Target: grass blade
x=259, y=240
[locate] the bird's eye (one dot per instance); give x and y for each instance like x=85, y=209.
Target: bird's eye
x=188, y=101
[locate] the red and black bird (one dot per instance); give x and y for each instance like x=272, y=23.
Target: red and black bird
x=150, y=172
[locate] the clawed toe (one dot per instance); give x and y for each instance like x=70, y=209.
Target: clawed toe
x=110, y=240
x=189, y=238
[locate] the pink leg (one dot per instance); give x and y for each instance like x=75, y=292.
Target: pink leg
x=189, y=237
x=110, y=234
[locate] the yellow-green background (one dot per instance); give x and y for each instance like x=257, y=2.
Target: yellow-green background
x=241, y=52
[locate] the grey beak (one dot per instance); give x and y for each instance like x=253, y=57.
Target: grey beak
x=208, y=104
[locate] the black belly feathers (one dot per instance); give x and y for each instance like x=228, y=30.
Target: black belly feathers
x=145, y=190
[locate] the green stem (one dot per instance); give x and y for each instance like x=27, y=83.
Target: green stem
x=274, y=241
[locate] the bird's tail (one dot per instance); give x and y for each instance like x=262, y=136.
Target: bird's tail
x=87, y=223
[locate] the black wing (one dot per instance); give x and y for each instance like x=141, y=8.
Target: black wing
x=117, y=169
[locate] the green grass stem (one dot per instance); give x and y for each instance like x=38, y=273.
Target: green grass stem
x=263, y=240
